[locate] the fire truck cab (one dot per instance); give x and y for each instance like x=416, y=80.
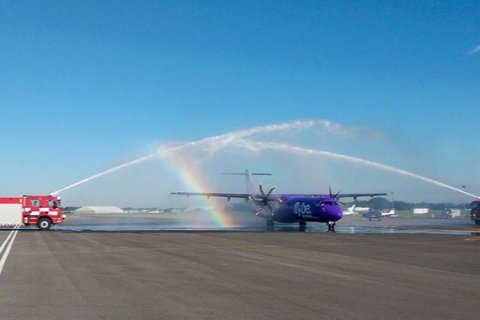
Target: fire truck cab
x=42, y=211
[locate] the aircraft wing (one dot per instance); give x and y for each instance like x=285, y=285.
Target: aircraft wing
x=348, y=195
x=215, y=194
x=249, y=196
x=356, y=195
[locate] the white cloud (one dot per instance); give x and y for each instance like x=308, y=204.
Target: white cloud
x=475, y=50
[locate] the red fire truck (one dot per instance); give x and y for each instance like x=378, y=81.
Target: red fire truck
x=42, y=211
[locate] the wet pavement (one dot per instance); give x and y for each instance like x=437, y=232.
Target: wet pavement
x=203, y=221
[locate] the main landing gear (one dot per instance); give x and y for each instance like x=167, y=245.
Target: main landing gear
x=331, y=226
x=270, y=224
x=302, y=225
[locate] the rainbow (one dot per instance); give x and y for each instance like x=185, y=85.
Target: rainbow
x=194, y=182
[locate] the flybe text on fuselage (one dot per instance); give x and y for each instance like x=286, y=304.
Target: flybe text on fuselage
x=302, y=209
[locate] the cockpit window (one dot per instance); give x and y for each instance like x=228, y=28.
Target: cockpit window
x=328, y=203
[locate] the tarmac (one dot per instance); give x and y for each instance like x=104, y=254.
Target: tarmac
x=225, y=274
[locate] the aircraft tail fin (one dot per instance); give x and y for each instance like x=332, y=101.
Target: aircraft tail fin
x=350, y=210
x=248, y=178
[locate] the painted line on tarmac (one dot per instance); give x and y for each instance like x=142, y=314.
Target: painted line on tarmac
x=8, y=243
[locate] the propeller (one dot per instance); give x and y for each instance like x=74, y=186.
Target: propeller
x=334, y=196
x=264, y=200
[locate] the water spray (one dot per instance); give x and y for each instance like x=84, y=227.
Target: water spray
x=127, y=164
x=213, y=144
x=261, y=146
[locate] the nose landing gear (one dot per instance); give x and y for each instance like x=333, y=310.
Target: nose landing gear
x=331, y=226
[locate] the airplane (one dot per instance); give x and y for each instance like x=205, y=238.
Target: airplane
x=288, y=208
x=376, y=214
x=353, y=210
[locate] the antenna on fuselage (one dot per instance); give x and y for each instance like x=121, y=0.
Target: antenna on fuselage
x=248, y=178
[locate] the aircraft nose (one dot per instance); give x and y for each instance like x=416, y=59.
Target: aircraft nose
x=338, y=214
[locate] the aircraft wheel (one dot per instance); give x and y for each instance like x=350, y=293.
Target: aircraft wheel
x=270, y=225
x=302, y=225
x=331, y=226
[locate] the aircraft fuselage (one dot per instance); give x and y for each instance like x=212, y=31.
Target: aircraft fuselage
x=296, y=208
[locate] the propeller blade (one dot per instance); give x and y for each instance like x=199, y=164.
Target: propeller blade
x=261, y=190
x=270, y=207
x=336, y=194
x=270, y=192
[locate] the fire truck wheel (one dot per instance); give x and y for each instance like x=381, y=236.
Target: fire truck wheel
x=44, y=224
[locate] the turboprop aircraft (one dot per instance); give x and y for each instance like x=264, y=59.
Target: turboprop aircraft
x=289, y=208
x=353, y=210
x=377, y=214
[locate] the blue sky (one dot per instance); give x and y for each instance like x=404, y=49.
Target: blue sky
x=87, y=85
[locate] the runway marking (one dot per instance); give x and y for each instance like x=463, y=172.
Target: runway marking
x=8, y=242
